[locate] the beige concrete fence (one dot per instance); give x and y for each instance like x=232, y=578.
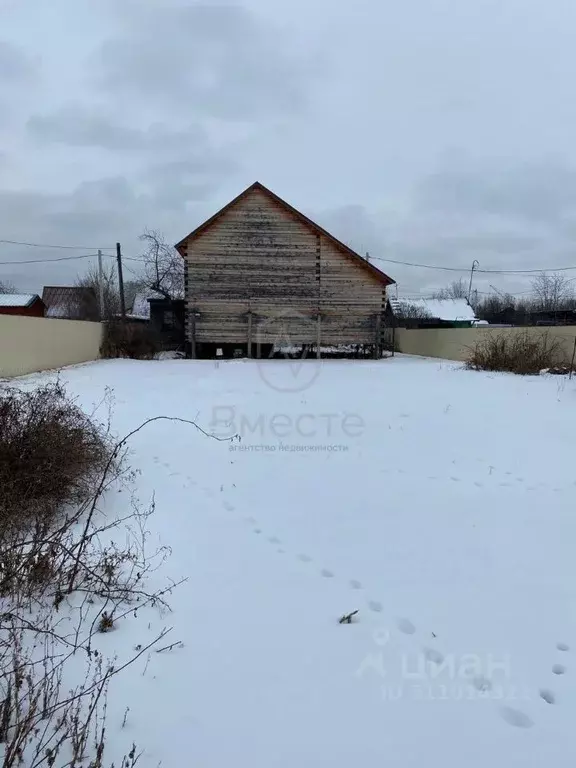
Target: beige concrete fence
x=29, y=344
x=455, y=343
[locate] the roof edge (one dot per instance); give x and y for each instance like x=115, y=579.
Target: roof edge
x=381, y=276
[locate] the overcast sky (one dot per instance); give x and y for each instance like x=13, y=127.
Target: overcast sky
x=435, y=131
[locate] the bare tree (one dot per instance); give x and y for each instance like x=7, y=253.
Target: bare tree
x=552, y=292
x=490, y=307
x=92, y=279
x=456, y=290
x=7, y=287
x=407, y=310
x=163, y=266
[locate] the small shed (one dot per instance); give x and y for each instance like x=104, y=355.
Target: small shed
x=168, y=318
x=29, y=304
x=431, y=313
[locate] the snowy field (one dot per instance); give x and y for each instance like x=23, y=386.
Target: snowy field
x=437, y=502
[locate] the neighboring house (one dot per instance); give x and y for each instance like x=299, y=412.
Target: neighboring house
x=259, y=273
x=71, y=302
x=431, y=313
x=21, y=304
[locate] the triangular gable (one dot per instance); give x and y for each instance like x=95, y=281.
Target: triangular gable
x=317, y=229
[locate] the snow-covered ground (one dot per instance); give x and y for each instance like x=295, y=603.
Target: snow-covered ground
x=437, y=502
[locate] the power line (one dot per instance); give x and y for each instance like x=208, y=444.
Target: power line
x=63, y=247
x=467, y=269
x=65, y=258
x=45, y=261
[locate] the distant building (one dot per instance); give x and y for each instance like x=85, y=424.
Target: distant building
x=71, y=302
x=431, y=313
x=29, y=304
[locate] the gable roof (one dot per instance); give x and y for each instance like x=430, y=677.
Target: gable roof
x=449, y=310
x=71, y=301
x=18, y=299
x=316, y=228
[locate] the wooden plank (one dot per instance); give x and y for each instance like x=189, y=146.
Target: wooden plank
x=249, y=334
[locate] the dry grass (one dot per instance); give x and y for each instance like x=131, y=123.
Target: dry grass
x=128, y=339
x=521, y=353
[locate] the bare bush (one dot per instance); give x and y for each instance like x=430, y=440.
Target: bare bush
x=50, y=454
x=523, y=353
x=64, y=580
x=139, y=341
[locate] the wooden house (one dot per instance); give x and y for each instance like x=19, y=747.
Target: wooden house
x=259, y=274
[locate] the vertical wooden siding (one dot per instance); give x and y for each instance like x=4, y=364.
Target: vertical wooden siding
x=259, y=258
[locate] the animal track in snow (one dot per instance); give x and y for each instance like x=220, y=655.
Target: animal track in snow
x=515, y=717
x=306, y=559
x=251, y=520
x=405, y=626
x=274, y=540
x=327, y=574
x=479, y=485
x=280, y=551
x=562, y=647
x=558, y=669
x=434, y=656
x=455, y=479
x=257, y=530
x=375, y=606
x=355, y=584
x=547, y=695
x=228, y=507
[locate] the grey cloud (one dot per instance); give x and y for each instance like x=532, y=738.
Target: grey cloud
x=542, y=191
x=78, y=126
x=94, y=214
x=513, y=217
x=15, y=65
x=218, y=60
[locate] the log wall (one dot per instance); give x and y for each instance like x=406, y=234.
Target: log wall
x=260, y=272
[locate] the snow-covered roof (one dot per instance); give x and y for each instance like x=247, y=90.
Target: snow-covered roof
x=140, y=306
x=450, y=310
x=17, y=299
x=58, y=310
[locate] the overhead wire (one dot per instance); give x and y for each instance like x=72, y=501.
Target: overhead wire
x=63, y=247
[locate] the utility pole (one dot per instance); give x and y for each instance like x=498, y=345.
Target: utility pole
x=475, y=265
x=101, y=284
x=120, y=281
